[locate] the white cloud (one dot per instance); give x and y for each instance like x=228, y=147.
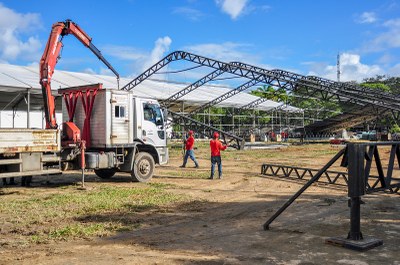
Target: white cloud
x=389, y=38
x=234, y=8
x=366, y=18
x=161, y=46
x=140, y=60
x=124, y=52
x=190, y=13
x=351, y=69
x=227, y=51
x=386, y=58
x=395, y=70
x=16, y=43
x=392, y=23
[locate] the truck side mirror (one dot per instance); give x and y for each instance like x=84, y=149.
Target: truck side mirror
x=165, y=113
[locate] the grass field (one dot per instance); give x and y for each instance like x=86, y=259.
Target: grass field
x=67, y=212
x=42, y=215
x=181, y=217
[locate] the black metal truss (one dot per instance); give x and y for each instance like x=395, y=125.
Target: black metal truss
x=259, y=101
x=337, y=126
x=327, y=88
x=328, y=177
x=181, y=55
x=174, y=56
x=384, y=181
x=208, y=131
x=226, y=95
x=309, y=81
x=253, y=104
x=366, y=116
x=346, y=120
x=167, y=103
x=358, y=159
x=292, y=172
x=277, y=78
x=354, y=87
x=309, y=86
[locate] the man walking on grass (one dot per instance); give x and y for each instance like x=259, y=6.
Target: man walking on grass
x=189, y=143
x=216, y=147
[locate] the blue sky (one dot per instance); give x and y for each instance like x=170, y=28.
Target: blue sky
x=302, y=36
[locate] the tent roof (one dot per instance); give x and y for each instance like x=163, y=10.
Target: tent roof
x=16, y=80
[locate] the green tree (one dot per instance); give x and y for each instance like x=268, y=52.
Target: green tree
x=393, y=83
x=271, y=93
x=395, y=128
x=377, y=86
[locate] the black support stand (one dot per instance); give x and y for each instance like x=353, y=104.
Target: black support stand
x=356, y=188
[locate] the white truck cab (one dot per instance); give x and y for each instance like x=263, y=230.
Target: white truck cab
x=152, y=126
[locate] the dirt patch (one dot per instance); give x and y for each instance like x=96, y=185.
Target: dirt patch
x=221, y=222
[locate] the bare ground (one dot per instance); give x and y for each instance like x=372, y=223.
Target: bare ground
x=222, y=223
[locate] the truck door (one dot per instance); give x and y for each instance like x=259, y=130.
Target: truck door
x=153, y=131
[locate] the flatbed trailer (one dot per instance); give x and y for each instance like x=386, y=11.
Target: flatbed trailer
x=29, y=152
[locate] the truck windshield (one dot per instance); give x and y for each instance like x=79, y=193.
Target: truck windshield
x=152, y=112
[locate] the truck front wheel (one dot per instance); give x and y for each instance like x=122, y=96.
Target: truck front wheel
x=105, y=173
x=143, y=167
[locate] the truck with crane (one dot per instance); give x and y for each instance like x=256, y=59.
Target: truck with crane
x=106, y=130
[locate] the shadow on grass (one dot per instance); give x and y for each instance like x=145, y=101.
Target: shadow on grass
x=233, y=230
x=68, y=179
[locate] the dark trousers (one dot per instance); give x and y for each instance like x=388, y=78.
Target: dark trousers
x=190, y=153
x=216, y=160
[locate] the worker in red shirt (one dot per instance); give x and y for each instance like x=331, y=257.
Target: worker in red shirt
x=216, y=146
x=189, y=143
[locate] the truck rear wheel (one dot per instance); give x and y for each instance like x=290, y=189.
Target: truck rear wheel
x=105, y=173
x=143, y=167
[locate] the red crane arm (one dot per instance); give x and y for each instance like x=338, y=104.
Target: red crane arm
x=49, y=60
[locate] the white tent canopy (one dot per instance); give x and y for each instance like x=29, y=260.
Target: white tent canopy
x=16, y=80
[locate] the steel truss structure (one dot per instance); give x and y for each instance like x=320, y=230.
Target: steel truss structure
x=167, y=103
x=207, y=130
x=309, y=86
x=373, y=184
x=225, y=96
x=291, y=172
x=328, y=89
x=346, y=120
x=358, y=159
x=365, y=113
x=278, y=78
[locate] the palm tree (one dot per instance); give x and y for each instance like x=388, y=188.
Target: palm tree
x=270, y=93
